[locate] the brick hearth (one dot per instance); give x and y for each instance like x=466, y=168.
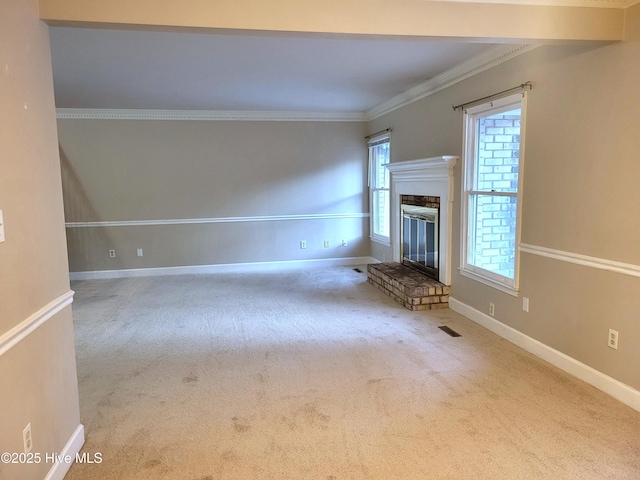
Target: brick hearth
x=413, y=289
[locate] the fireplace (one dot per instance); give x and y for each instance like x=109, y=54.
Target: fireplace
x=427, y=182
x=421, y=228
x=419, y=233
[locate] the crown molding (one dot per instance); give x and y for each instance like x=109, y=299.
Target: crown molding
x=207, y=115
x=477, y=64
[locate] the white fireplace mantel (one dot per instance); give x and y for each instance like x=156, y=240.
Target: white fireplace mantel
x=431, y=177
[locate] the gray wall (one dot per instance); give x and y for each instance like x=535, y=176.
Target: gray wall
x=581, y=177
x=580, y=181
x=38, y=373
x=124, y=170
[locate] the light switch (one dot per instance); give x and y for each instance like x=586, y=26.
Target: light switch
x=1, y=227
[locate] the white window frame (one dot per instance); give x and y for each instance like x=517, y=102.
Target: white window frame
x=500, y=282
x=374, y=187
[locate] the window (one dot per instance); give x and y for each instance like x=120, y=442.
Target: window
x=493, y=154
x=379, y=188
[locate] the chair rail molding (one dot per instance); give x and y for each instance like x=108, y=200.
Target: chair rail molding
x=26, y=327
x=584, y=260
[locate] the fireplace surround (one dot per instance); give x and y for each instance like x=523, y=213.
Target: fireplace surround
x=427, y=177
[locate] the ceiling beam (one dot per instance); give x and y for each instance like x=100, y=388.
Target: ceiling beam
x=495, y=22
x=632, y=23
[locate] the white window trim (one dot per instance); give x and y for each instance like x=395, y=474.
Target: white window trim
x=499, y=282
x=375, y=237
x=381, y=239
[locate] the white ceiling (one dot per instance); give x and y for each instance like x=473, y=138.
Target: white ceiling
x=124, y=69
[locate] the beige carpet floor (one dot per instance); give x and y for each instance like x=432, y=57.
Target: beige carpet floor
x=316, y=375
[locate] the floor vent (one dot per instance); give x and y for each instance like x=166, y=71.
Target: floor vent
x=357, y=270
x=449, y=331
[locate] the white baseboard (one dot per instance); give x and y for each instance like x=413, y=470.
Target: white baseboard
x=221, y=268
x=618, y=390
x=73, y=446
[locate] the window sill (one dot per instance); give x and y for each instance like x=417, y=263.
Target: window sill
x=381, y=240
x=489, y=281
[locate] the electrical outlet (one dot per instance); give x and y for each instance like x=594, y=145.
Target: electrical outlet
x=26, y=438
x=492, y=309
x=525, y=304
x=112, y=254
x=326, y=244
x=303, y=244
x=613, y=339
x=139, y=252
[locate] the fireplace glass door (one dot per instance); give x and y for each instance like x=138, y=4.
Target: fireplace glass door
x=420, y=238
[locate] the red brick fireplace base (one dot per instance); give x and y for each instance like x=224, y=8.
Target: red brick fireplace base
x=413, y=289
